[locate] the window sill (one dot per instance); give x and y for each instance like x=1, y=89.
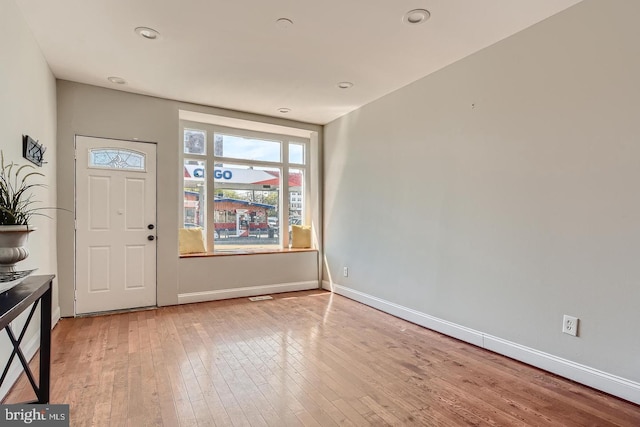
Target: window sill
x=236, y=252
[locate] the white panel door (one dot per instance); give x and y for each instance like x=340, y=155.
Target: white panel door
x=115, y=224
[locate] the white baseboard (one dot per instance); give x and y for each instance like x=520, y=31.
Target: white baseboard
x=250, y=291
x=600, y=380
x=55, y=317
x=609, y=383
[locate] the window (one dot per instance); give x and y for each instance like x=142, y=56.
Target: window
x=296, y=154
x=239, y=188
x=194, y=194
x=116, y=158
x=245, y=197
x=239, y=147
x=195, y=141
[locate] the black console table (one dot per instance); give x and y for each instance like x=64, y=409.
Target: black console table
x=32, y=290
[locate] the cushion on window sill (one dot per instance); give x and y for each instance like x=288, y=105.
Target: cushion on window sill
x=191, y=241
x=300, y=236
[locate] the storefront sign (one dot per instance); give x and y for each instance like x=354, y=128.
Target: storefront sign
x=222, y=174
x=217, y=173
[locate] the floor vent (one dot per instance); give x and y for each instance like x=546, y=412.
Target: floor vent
x=260, y=298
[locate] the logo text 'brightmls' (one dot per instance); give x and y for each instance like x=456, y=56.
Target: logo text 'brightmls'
x=42, y=415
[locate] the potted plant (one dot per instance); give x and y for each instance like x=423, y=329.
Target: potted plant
x=16, y=209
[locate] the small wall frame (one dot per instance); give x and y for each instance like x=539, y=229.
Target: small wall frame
x=32, y=150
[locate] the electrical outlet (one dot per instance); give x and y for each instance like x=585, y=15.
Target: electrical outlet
x=345, y=272
x=570, y=325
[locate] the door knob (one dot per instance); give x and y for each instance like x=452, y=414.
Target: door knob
x=150, y=226
x=151, y=237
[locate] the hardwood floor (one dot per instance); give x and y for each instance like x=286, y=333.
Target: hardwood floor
x=302, y=359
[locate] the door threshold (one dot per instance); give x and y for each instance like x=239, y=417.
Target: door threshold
x=121, y=311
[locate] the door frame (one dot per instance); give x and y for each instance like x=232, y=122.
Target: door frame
x=75, y=215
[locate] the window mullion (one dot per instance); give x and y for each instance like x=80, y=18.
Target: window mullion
x=209, y=191
x=231, y=160
x=286, y=197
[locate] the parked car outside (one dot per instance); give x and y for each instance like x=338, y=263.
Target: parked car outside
x=295, y=221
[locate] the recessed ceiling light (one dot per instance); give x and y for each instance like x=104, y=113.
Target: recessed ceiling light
x=117, y=80
x=284, y=22
x=147, y=33
x=416, y=16
x=345, y=85
x=284, y=110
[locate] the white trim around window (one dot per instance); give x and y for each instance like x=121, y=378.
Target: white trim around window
x=201, y=184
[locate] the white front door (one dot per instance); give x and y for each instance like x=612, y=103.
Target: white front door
x=115, y=224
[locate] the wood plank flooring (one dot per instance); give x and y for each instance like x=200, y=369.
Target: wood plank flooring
x=302, y=359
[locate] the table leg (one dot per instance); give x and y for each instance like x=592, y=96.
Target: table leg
x=45, y=346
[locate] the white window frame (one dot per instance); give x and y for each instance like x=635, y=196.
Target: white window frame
x=284, y=166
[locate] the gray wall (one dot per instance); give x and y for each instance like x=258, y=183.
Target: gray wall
x=28, y=106
x=502, y=191
x=228, y=272
x=93, y=111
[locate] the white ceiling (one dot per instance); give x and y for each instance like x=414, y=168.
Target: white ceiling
x=231, y=53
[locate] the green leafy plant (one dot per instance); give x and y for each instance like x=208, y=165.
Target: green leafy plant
x=16, y=202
